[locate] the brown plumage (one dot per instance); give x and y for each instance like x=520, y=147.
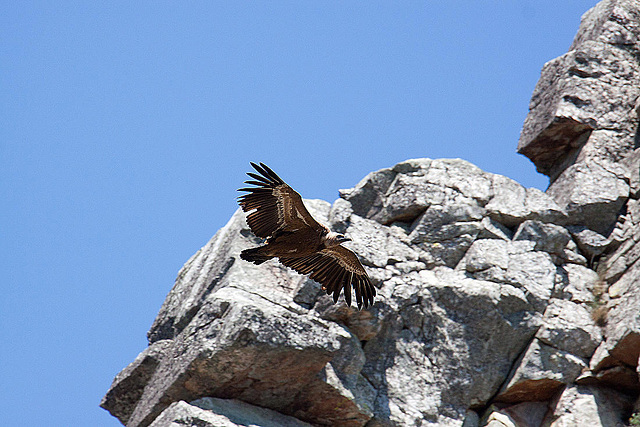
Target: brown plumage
x=276, y=213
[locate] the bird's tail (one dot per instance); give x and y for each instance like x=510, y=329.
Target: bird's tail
x=253, y=255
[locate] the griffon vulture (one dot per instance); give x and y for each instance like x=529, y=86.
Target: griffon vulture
x=276, y=213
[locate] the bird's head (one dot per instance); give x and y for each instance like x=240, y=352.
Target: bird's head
x=334, y=239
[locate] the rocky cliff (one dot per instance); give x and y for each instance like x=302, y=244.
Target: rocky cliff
x=497, y=304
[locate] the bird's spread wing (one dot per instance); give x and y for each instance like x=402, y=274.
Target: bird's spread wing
x=273, y=205
x=336, y=268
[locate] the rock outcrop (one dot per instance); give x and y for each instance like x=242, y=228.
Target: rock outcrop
x=497, y=305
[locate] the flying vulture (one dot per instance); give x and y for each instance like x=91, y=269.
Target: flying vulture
x=276, y=213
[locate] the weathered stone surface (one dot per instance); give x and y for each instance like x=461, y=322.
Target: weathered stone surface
x=498, y=419
x=453, y=189
x=587, y=142
x=421, y=361
x=569, y=327
x=128, y=386
x=215, y=266
x=614, y=22
x=494, y=230
x=577, y=283
x=632, y=166
x=571, y=254
x=590, y=243
x=540, y=373
x=534, y=272
x=626, y=281
x=628, y=252
x=526, y=414
x=194, y=281
x=621, y=378
x=264, y=316
x=486, y=254
x=243, y=346
x=404, y=314
x=588, y=405
x=622, y=345
x=581, y=128
x=212, y=412
x=488, y=292
x=514, y=263
x=546, y=237
x=573, y=98
x=591, y=195
x=471, y=420
x=513, y=204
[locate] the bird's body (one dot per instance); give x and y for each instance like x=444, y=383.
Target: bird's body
x=276, y=213
x=292, y=244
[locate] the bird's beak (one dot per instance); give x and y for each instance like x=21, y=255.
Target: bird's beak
x=345, y=239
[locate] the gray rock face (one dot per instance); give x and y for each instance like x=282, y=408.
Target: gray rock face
x=569, y=327
x=526, y=414
x=497, y=304
x=556, y=356
x=582, y=122
x=212, y=412
x=584, y=405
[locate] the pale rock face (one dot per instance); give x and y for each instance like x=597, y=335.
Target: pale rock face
x=212, y=412
x=568, y=326
x=586, y=405
x=497, y=304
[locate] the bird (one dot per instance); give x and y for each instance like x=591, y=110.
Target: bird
x=275, y=212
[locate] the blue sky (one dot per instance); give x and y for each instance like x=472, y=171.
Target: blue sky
x=126, y=128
